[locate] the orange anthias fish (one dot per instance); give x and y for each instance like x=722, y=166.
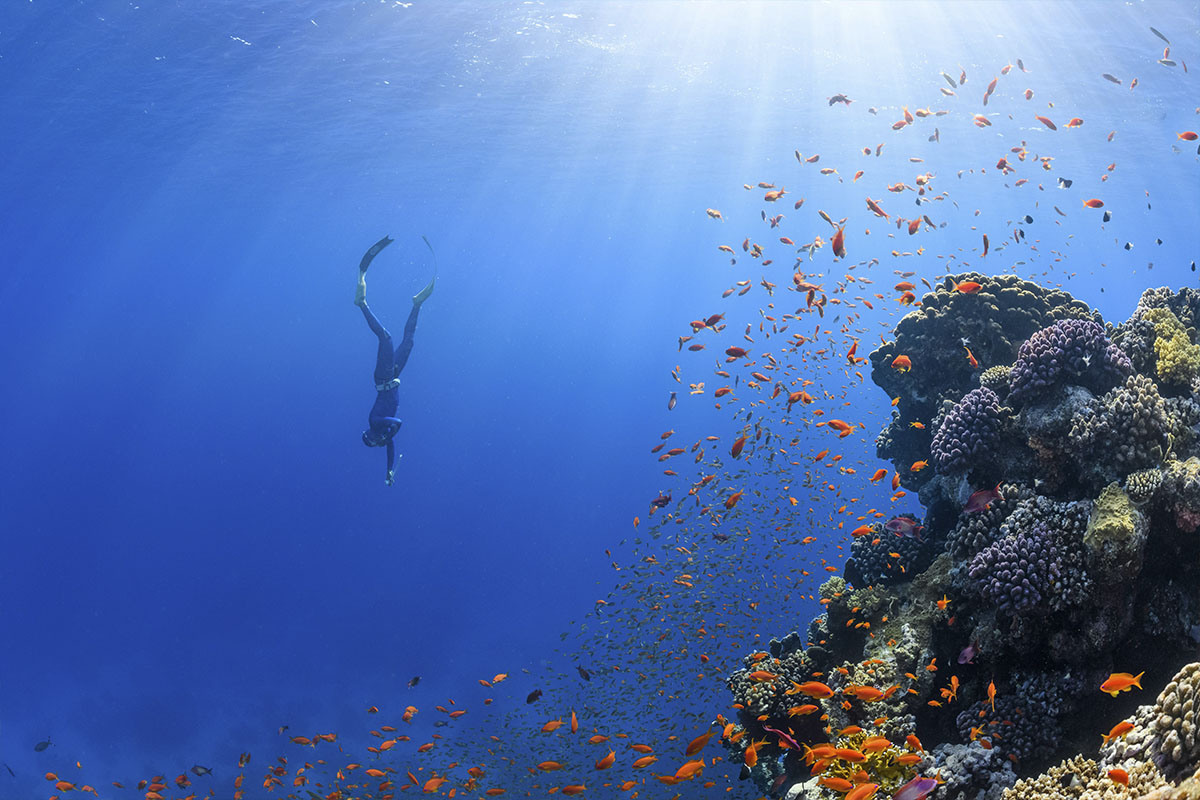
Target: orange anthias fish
x=902, y=363
x=812, y=689
x=1120, y=729
x=1121, y=682
x=879, y=475
x=736, y=449
x=839, y=242
x=968, y=287
x=1094, y=203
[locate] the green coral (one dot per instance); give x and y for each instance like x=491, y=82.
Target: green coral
x=1113, y=518
x=1115, y=537
x=1177, y=358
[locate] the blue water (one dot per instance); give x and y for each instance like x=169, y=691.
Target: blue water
x=198, y=549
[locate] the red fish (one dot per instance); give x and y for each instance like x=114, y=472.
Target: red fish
x=968, y=287
x=1094, y=203
x=979, y=501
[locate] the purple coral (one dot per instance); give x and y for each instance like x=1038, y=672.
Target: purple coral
x=969, y=434
x=1074, y=350
x=1017, y=572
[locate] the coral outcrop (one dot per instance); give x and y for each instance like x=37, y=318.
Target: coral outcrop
x=1060, y=543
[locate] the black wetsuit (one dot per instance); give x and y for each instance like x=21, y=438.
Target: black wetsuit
x=388, y=364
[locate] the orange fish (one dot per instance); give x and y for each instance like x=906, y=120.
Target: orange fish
x=839, y=242
x=837, y=784
x=968, y=287
x=1121, y=682
x=1047, y=123
x=1120, y=729
x=991, y=694
x=549, y=766
x=607, y=761
x=1076, y=122
x=902, y=363
x=879, y=475
x=736, y=449
x=1094, y=203
x=919, y=465
x=574, y=789
x=750, y=757
x=813, y=689
x=1187, y=136
x=1119, y=776
x=697, y=744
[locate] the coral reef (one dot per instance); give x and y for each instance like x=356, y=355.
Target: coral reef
x=1069, y=351
x=1121, y=432
x=1166, y=733
x=1059, y=545
x=969, y=434
x=1177, y=359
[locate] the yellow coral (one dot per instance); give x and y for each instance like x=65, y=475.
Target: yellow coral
x=880, y=767
x=1178, y=359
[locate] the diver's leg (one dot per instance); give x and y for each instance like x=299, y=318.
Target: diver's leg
x=410, y=327
x=406, y=343
x=385, y=363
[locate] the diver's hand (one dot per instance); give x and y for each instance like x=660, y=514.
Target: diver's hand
x=374, y=251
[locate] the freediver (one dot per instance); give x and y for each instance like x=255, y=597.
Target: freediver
x=384, y=424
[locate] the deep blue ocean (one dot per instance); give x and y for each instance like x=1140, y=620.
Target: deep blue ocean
x=198, y=549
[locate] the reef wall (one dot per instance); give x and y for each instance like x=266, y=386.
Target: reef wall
x=1060, y=544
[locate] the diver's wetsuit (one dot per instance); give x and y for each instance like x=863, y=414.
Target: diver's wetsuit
x=383, y=422
x=388, y=364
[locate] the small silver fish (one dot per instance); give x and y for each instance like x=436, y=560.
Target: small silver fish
x=1112, y=78
x=671, y=402
x=1159, y=35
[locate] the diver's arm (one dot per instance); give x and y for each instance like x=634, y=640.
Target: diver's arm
x=391, y=463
